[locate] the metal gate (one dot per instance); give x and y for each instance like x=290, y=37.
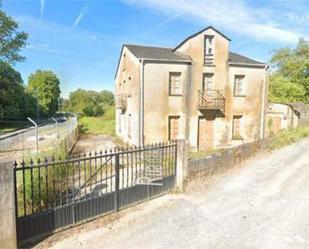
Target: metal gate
x=55, y=194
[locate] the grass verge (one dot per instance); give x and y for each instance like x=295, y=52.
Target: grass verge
x=285, y=137
x=99, y=125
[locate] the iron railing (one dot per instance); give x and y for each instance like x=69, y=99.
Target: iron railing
x=211, y=100
x=121, y=101
x=52, y=194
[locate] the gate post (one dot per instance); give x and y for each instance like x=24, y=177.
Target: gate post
x=182, y=164
x=7, y=207
x=117, y=172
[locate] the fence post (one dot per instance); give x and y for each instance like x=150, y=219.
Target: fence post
x=182, y=164
x=7, y=207
x=36, y=134
x=117, y=182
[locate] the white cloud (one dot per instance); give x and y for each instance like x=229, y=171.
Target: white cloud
x=80, y=16
x=43, y=47
x=232, y=15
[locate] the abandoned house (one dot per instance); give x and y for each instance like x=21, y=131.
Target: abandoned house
x=198, y=91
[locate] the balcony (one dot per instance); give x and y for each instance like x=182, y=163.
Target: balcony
x=211, y=100
x=121, y=101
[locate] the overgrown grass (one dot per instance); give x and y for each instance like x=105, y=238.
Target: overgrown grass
x=285, y=137
x=99, y=125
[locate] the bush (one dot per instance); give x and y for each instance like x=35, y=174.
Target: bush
x=284, y=137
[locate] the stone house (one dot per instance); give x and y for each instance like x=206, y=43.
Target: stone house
x=281, y=116
x=198, y=91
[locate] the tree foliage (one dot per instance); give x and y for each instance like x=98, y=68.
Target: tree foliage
x=45, y=87
x=11, y=40
x=14, y=102
x=88, y=103
x=289, y=81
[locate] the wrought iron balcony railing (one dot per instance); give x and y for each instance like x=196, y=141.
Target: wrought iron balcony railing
x=209, y=99
x=121, y=101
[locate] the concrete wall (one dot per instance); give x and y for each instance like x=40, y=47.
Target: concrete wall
x=158, y=105
x=224, y=160
x=128, y=83
x=7, y=207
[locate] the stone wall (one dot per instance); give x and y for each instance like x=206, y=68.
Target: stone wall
x=224, y=160
x=7, y=208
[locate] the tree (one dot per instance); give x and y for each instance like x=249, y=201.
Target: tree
x=14, y=102
x=45, y=86
x=11, y=40
x=89, y=103
x=283, y=90
x=289, y=81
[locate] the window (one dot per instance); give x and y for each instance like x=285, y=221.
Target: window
x=119, y=122
x=239, y=85
x=129, y=126
x=173, y=126
x=208, y=49
x=175, y=87
x=208, y=81
x=237, y=127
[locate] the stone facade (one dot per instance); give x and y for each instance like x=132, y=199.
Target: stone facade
x=150, y=105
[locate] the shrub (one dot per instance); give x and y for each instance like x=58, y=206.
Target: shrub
x=284, y=137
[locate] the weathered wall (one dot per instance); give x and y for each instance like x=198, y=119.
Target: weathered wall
x=127, y=82
x=250, y=106
x=303, y=109
x=158, y=105
x=7, y=207
x=288, y=118
x=224, y=160
x=195, y=49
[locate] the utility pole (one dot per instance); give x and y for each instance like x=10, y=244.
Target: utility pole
x=36, y=133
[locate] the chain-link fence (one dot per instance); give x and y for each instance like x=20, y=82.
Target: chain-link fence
x=51, y=137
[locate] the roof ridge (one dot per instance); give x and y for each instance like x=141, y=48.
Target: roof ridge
x=146, y=46
x=198, y=32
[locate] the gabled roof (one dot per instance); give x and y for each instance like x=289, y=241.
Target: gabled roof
x=170, y=55
x=154, y=53
x=242, y=60
x=197, y=33
x=157, y=53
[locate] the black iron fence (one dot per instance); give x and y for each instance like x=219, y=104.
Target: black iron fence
x=53, y=194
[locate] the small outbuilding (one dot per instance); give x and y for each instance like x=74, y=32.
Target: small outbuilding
x=280, y=116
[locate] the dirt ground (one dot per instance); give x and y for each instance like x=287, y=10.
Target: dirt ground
x=91, y=143
x=263, y=203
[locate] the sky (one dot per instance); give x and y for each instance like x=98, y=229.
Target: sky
x=80, y=40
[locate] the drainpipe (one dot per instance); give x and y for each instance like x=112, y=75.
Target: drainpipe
x=141, y=111
x=264, y=96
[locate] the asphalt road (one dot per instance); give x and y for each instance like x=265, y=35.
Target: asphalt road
x=263, y=203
